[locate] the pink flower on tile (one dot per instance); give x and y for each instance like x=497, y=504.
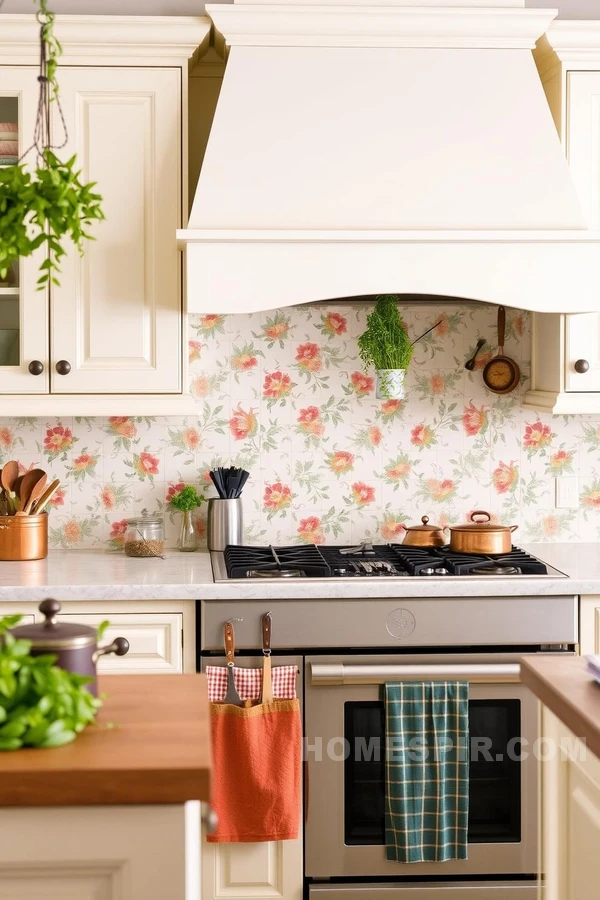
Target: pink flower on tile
x=390, y=408
x=437, y=384
x=391, y=529
x=422, y=436
x=474, y=419
x=562, y=461
x=505, y=477
x=194, y=351
x=200, y=386
x=117, y=533
x=174, y=489
x=276, y=385
x=146, y=464
x=107, y=497
x=243, y=361
x=375, y=435
x=440, y=490
x=84, y=462
x=58, y=499
x=310, y=531
x=537, y=436
x=243, y=424
x=72, y=533
x=277, y=496
x=6, y=438
x=278, y=331
x=191, y=438
x=309, y=421
x=57, y=440
x=308, y=357
x=334, y=324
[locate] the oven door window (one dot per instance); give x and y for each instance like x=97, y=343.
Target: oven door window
x=494, y=775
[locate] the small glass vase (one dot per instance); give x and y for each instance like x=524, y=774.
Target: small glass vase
x=188, y=539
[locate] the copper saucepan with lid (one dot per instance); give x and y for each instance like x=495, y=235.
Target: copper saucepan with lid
x=481, y=537
x=424, y=535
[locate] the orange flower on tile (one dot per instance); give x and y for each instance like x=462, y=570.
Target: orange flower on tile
x=122, y=426
x=277, y=496
x=362, y=493
x=474, y=419
x=57, y=440
x=146, y=463
x=505, y=477
x=422, y=436
x=276, y=385
x=334, y=324
x=340, y=462
x=361, y=384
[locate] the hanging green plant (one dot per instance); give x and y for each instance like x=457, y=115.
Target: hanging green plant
x=49, y=203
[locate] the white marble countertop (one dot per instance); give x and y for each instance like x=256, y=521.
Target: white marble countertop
x=98, y=575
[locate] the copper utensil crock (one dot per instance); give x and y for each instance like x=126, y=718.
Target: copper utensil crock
x=24, y=537
x=424, y=535
x=481, y=538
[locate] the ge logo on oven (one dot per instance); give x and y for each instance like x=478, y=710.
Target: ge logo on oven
x=400, y=623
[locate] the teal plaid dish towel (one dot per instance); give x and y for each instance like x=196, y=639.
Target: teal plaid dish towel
x=427, y=771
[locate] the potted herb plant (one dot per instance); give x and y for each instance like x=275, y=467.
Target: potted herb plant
x=186, y=501
x=385, y=345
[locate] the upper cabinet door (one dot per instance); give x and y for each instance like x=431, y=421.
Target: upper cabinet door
x=583, y=151
x=116, y=317
x=23, y=308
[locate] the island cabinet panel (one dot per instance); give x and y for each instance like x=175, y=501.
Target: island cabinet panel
x=569, y=815
x=116, y=315
x=99, y=853
x=155, y=641
x=265, y=871
x=590, y=624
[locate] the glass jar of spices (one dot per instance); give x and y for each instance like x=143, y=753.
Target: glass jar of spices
x=145, y=536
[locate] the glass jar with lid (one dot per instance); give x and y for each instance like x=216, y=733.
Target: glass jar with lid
x=145, y=536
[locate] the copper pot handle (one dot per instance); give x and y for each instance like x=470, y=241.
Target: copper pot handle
x=480, y=512
x=119, y=647
x=513, y=528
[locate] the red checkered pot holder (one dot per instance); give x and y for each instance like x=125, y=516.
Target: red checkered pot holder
x=249, y=682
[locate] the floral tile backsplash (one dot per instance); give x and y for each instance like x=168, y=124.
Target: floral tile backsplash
x=284, y=395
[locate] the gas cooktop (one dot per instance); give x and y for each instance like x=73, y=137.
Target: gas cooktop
x=371, y=561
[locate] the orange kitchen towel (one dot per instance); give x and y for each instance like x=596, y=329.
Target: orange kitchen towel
x=257, y=770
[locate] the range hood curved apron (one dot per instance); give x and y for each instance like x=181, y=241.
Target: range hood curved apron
x=365, y=149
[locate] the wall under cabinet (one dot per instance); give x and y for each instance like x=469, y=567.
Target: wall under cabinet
x=284, y=394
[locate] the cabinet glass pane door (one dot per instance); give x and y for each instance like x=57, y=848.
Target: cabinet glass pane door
x=9, y=285
x=23, y=308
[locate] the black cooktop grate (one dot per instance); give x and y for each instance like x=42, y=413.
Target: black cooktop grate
x=380, y=561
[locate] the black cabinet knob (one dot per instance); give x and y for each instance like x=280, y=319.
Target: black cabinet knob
x=35, y=367
x=63, y=367
x=582, y=366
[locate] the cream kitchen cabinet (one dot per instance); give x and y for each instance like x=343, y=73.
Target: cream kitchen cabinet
x=266, y=871
x=566, y=348
x=569, y=815
x=161, y=633
x=109, y=338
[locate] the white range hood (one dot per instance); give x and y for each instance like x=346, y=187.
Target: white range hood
x=385, y=147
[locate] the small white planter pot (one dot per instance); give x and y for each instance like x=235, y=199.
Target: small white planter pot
x=390, y=384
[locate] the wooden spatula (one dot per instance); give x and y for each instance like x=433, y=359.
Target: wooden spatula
x=32, y=488
x=46, y=497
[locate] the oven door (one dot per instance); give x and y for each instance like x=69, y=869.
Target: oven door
x=346, y=790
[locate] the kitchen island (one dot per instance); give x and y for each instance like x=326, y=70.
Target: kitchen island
x=115, y=814
x=569, y=751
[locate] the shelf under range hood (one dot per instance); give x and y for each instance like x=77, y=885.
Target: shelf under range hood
x=364, y=149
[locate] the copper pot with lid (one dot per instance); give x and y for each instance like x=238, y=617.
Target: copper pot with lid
x=481, y=537
x=74, y=645
x=424, y=535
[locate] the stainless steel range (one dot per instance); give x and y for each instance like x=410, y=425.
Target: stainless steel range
x=368, y=561
x=348, y=646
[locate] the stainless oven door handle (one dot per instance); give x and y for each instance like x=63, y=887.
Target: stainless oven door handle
x=340, y=673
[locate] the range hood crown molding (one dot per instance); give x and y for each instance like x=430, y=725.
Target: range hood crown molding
x=385, y=148
x=284, y=25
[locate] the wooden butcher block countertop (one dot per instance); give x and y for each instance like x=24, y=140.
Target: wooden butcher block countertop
x=565, y=686
x=158, y=751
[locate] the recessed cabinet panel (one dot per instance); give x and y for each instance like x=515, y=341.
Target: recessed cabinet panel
x=23, y=308
x=155, y=642
x=116, y=317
